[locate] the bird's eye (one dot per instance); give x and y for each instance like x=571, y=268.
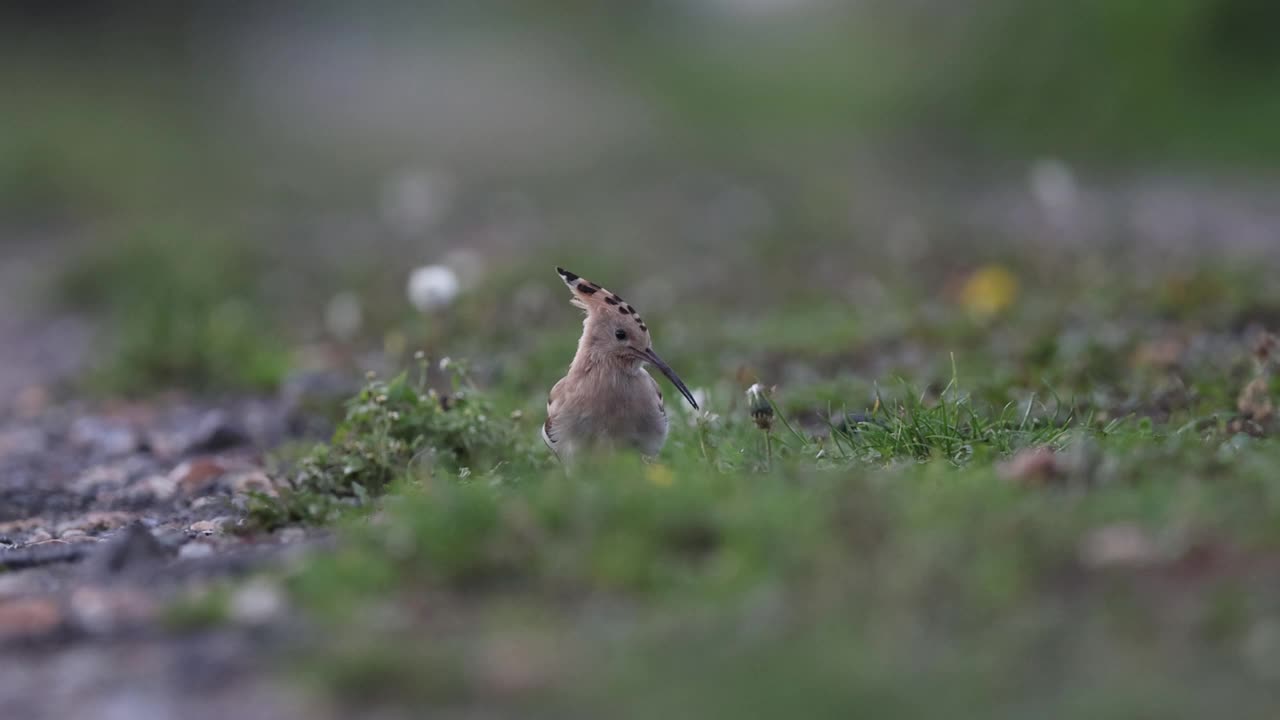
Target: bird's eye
x=620, y=334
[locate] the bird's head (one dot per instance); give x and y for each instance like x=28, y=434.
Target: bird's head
x=614, y=332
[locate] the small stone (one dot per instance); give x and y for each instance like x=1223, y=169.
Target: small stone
x=159, y=486
x=38, y=535
x=252, y=481
x=103, y=437
x=23, y=525
x=1053, y=185
x=18, y=585
x=31, y=401
x=291, y=535
x=514, y=662
x=22, y=441
x=102, y=610
x=97, y=521
x=257, y=602
x=73, y=534
x=207, y=527
x=1032, y=466
x=216, y=432
x=194, y=550
x=1119, y=545
x=99, y=476
x=343, y=316
x=1261, y=647
x=28, y=618
x=135, y=547
x=1162, y=354
x=201, y=503
x=195, y=477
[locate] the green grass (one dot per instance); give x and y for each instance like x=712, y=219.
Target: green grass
x=876, y=553
x=885, y=565
x=810, y=590
x=183, y=310
x=199, y=609
x=397, y=428
x=881, y=549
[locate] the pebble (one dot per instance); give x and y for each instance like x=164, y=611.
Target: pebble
x=29, y=617
x=134, y=547
x=1119, y=545
x=99, y=476
x=31, y=401
x=103, y=437
x=514, y=662
x=252, y=481
x=291, y=535
x=215, y=432
x=193, y=550
x=160, y=486
x=257, y=602
x=102, y=610
x=201, y=503
x=17, y=585
x=1032, y=466
x=22, y=441
x=97, y=521
x=15, y=527
x=38, y=535
x=209, y=527
x=198, y=475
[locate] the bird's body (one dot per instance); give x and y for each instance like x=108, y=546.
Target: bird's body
x=625, y=410
x=607, y=400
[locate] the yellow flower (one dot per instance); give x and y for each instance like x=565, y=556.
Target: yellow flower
x=989, y=291
x=659, y=475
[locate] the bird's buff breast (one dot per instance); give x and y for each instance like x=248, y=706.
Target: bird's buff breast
x=627, y=414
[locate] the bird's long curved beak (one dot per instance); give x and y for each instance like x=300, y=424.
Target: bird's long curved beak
x=652, y=358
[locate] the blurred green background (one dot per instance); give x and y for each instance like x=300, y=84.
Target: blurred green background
x=257, y=181
x=1002, y=228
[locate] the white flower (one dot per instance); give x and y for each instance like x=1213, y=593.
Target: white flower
x=414, y=201
x=701, y=397
x=467, y=264
x=257, y=602
x=343, y=316
x=703, y=417
x=1053, y=185
x=432, y=287
x=759, y=406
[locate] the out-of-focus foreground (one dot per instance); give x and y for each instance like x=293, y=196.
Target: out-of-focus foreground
x=278, y=316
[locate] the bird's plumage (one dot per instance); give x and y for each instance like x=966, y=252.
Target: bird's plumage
x=608, y=400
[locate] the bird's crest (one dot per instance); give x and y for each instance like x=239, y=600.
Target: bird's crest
x=595, y=299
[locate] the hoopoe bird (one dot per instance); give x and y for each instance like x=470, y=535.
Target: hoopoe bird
x=608, y=400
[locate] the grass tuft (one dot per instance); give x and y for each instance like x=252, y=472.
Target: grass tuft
x=181, y=314
x=401, y=429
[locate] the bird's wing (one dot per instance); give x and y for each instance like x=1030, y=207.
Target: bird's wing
x=657, y=389
x=554, y=400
